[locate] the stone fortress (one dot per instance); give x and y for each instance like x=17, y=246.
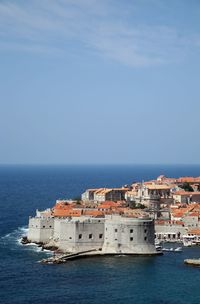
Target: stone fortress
x=122, y=220
x=111, y=234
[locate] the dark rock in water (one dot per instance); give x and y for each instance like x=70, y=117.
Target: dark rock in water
x=52, y=248
x=39, y=244
x=25, y=240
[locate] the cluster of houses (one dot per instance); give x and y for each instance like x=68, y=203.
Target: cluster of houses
x=161, y=191
x=163, y=199
x=176, y=210
x=123, y=220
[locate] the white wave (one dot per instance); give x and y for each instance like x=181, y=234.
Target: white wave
x=48, y=251
x=6, y=236
x=31, y=244
x=37, y=249
x=19, y=242
x=16, y=235
x=14, y=238
x=23, y=229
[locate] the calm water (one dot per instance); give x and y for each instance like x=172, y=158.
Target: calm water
x=163, y=279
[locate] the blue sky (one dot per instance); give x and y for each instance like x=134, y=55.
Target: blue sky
x=99, y=81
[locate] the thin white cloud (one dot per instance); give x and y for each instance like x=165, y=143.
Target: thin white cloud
x=33, y=48
x=98, y=25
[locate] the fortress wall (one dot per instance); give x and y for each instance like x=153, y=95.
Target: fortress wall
x=128, y=235
x=112, y=234
x=81, y=235
x=40, y=229
x=167, y=229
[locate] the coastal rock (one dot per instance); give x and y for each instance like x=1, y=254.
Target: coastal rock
x=24, y=240
x=193, y=262
x=51, y=248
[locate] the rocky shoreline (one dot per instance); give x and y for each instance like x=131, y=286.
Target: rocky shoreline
x=25, y=241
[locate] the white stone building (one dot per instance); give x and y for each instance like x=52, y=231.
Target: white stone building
x=128, y=235
x=112, y=234
x=104, y=194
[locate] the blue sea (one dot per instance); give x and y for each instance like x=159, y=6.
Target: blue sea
x=141, y=280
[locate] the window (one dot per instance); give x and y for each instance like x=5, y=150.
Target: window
x=100, y=235
x=43, y=226
x=70, y=237
x=145, y=238
x=90, y=236
x=145, y=230
x=49, y=226
x=131, y=230
x=131, y=239
x=115, y=230
x=80, y=236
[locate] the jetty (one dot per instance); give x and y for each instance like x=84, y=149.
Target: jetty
x=64, y=258
x=61, y=259
x=192, y=262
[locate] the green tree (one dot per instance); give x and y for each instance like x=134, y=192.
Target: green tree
x=186, y=186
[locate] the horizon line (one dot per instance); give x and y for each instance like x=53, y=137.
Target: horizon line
x=99, y=164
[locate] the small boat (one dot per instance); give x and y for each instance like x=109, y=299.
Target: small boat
x=166, y=249
x=189, y=240
x=158, y=248
x=157, y=242
x=178, y=249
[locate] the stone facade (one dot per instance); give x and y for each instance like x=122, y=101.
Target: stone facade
x=112, y=234
x=75, y=235
x=170, y=232
x=41, y=229
x=186, y=197
x=104, y=194
x=128, y=235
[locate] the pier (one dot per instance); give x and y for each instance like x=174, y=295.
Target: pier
x=61, y=259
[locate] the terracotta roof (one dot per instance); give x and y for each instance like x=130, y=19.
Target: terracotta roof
x=158, y=187
x=194, y=231
x=182, y=192
x=63, y=206
x=62, y=213
x=94, y=212
x=189, y=179
x=102, y=191
x=110, y=203
x=174, y=222
x=196, y=213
